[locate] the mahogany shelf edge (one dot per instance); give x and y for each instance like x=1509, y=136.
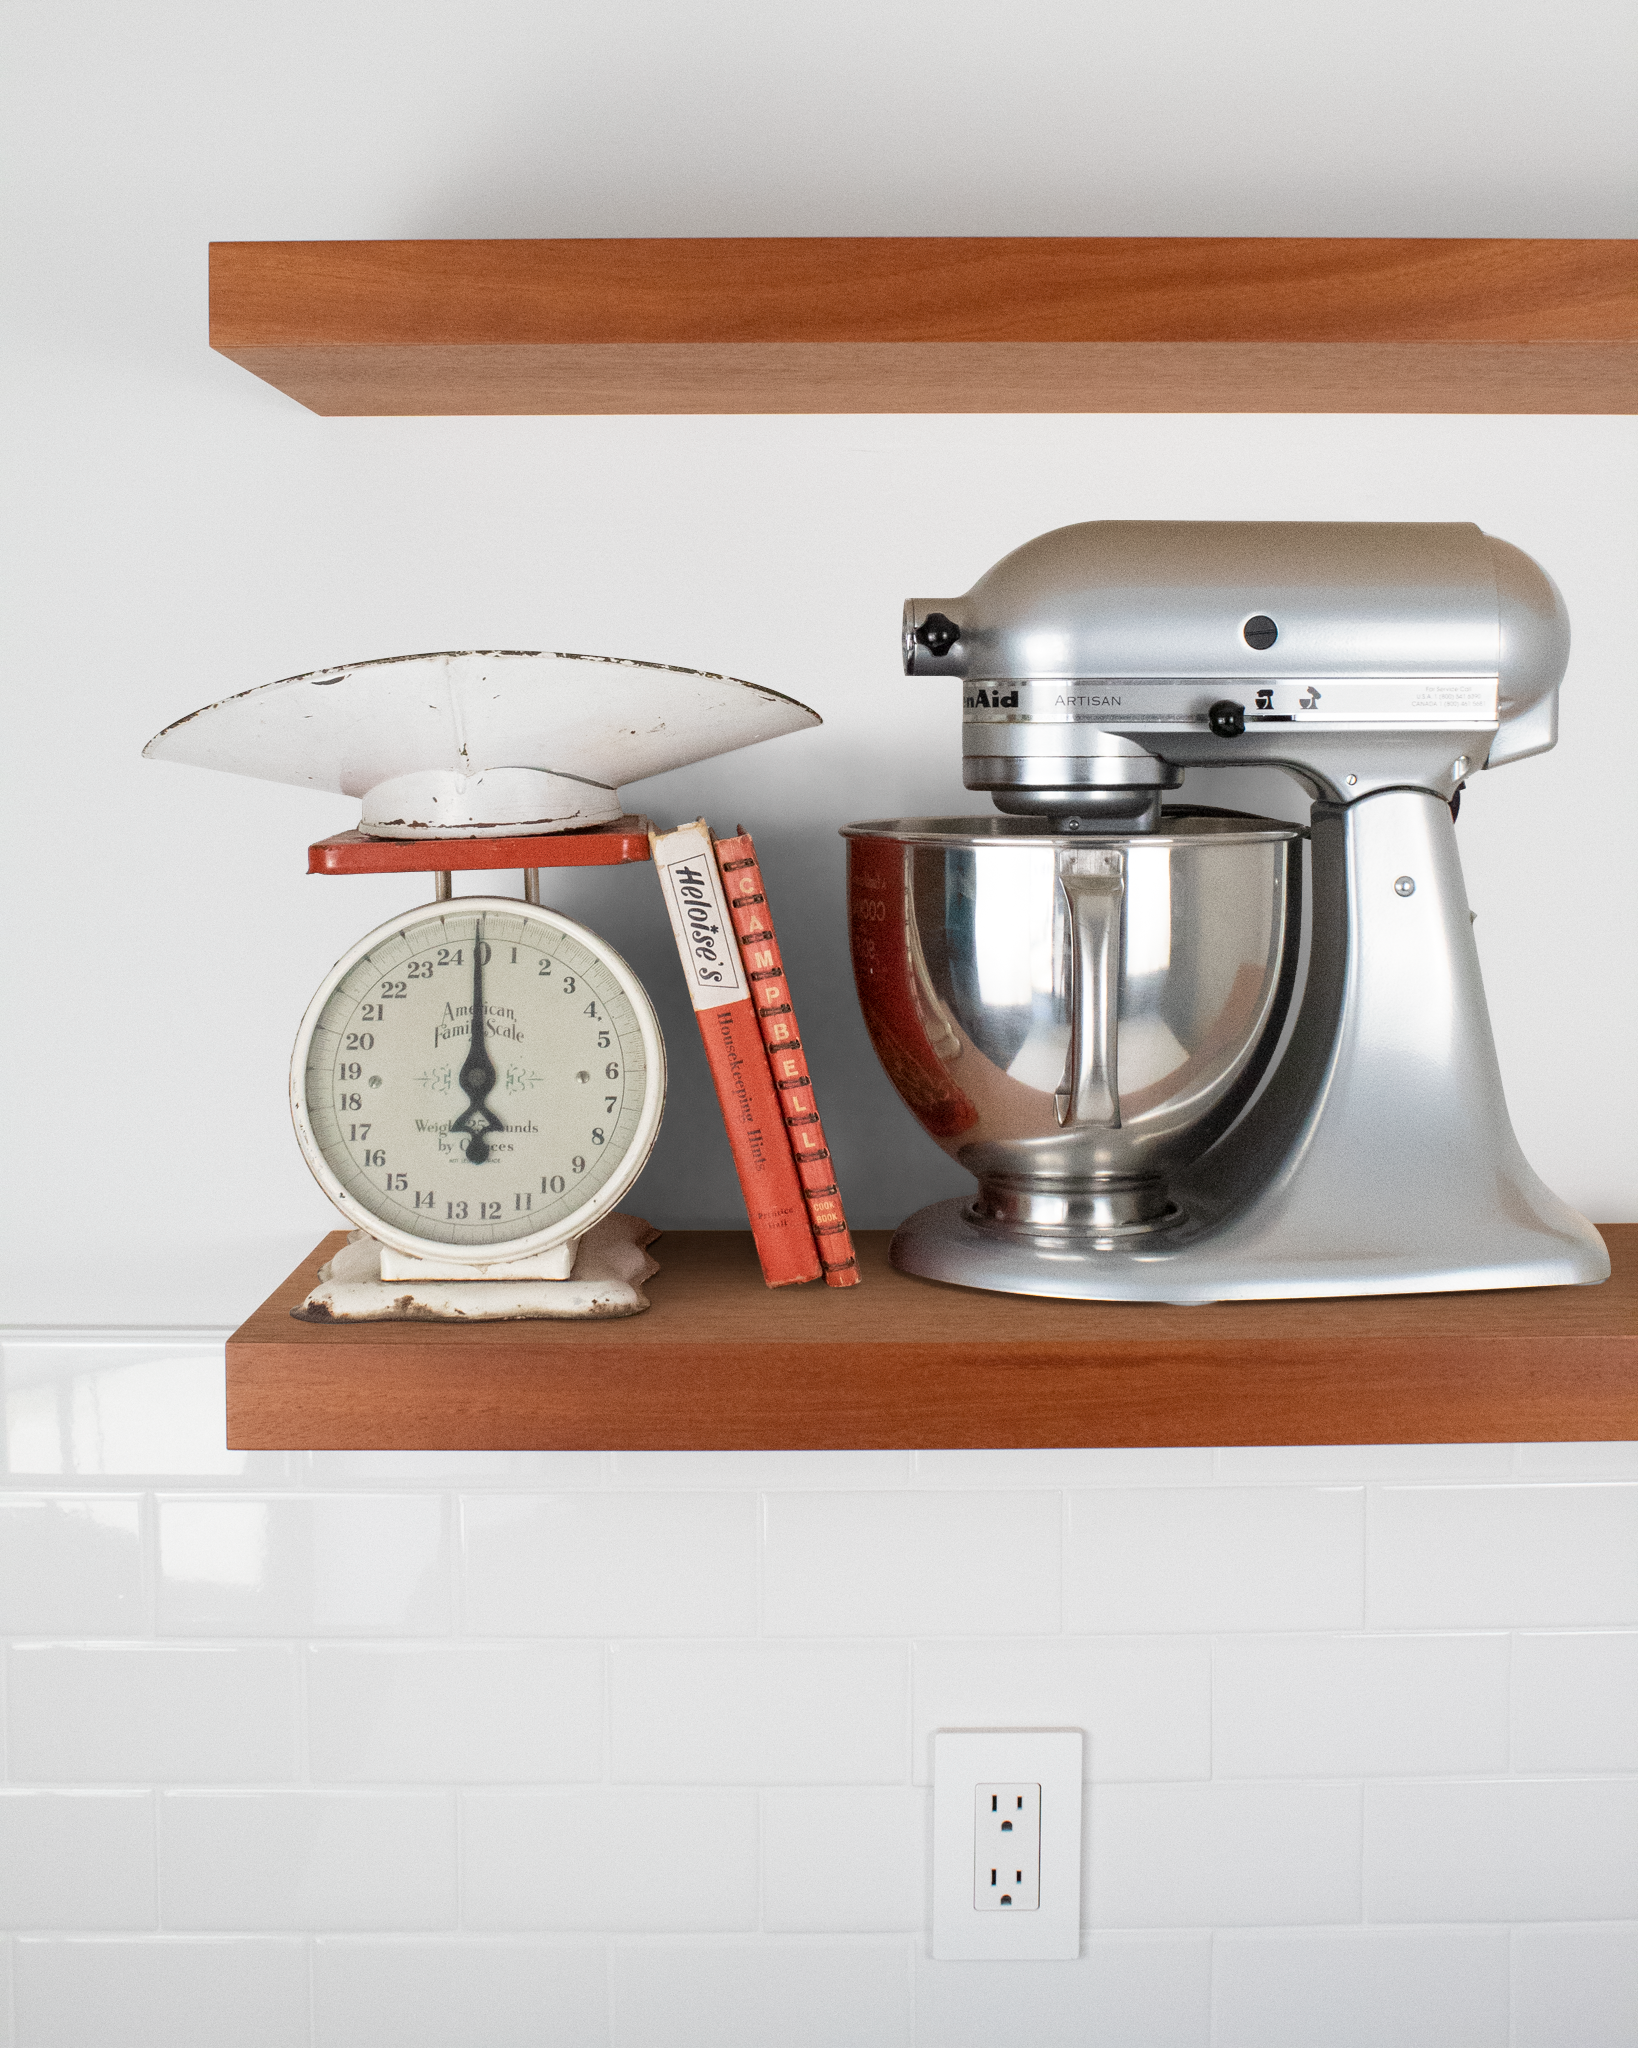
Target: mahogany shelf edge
x=934, y=324
x=720, y=1362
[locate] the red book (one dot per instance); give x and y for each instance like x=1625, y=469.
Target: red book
x=726, y=1015
x=770, y=991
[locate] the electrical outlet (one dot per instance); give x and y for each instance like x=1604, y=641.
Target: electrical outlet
x=1007, y=1844
x=1007, y=1849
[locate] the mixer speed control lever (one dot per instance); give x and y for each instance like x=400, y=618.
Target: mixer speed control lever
x=1227, y=719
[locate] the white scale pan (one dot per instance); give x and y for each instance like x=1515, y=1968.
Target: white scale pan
x=480, y=744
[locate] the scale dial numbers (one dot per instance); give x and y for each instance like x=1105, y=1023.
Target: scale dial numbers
x=482, y=1080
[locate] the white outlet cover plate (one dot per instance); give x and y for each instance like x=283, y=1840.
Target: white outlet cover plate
x=964, y=1758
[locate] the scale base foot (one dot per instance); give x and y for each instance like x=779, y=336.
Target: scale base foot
x=609, y=1270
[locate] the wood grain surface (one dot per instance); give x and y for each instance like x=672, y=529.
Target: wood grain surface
x=946, y=324
x=720, y=1362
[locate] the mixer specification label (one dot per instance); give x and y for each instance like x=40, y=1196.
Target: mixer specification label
x=1355, y=700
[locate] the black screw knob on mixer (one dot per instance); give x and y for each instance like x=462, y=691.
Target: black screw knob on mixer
x=938, y=634
x=1227, y=719
x=1260, y=632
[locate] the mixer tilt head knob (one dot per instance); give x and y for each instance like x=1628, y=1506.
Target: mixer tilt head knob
x=1227, y=719
x=938, y=634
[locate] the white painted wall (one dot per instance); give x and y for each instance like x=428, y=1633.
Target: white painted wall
x=181, y=531
x=1360, y=1721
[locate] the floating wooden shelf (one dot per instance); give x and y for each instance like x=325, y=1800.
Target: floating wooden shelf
x=954, y=324
x=720, y=1362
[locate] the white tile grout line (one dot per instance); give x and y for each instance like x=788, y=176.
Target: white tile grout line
x=458, y=1813
x=304, y=1752
x=761, y=1857
x=1512, y=1658
x=759, y=1561
x=148, y=1531
x=1512, y=1976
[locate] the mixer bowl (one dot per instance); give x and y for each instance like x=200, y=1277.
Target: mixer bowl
x=1075, y=1018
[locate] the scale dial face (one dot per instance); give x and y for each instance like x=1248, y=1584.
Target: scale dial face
x=478, y=1080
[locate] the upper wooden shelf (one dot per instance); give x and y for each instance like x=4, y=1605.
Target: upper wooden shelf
x=721, y=1362
x=923, y=324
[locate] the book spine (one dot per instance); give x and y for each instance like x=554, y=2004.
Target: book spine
x=776, y=1016
x=726, y=1015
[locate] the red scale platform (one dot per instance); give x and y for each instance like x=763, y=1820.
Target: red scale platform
x=601, y=846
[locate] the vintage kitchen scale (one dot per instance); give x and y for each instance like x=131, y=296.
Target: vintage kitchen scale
x=478, y=1082
x=1169, y=1085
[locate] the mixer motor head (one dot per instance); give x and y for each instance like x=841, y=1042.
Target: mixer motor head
x=1101, y=660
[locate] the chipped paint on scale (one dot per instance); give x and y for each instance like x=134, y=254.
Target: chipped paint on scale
x=475, y=744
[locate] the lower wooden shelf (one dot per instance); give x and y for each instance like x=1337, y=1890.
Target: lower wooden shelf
x=721, y=1362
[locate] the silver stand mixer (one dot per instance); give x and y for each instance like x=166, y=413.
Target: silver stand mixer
x=1170, y=1083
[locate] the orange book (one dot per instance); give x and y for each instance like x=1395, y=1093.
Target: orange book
x=723, y=1008
x=765, y=970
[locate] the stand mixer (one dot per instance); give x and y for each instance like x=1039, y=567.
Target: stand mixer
x=1170, y=1083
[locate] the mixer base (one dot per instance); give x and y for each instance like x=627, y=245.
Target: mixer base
x=1193, y=1264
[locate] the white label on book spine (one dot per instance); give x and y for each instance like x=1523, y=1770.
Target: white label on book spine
x=692, y=886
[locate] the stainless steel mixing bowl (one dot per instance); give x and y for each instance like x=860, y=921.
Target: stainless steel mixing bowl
x=1073, y=1017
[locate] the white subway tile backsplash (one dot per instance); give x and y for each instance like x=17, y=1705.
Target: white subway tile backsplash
x=98, y=1409
x=455, y=1713
x=549, y=1471
x=167, y=1993
x=755, y=1471
x=1575, y=1702
x=1358, y=1706
x=471, y=1993
x=330, y=1564
x=1223, y=1855
x=278, y=1861
x=911, y=1563
x=72, y=1565
x=148, y=1711
x=1126, y=1991
x=848, y=1860
x=674, y=1564
x=1363, y=1988
x=1143, y=1702
x=1579, y=1461
x=1349, y=1464
x=1503, y=1556
x=1226, y=1558
x=744, y=1995
x=1575, y=1987
x=73, y=1860
x=580, y=1861
x=1191, y=1466
x=708, y=1624
x=761, y=1713
x=1520, y=1849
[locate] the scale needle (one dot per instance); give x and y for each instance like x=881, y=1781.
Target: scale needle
x=478, y=1074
